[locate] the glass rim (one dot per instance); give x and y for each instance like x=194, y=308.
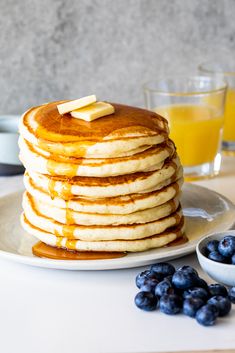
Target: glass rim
x=146, y=86
x=202, y=67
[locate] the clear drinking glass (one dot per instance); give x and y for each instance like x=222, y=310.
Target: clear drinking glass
x=194, y=108
x=227, y=71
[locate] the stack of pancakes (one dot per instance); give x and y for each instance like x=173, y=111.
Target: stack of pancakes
x=112, y=184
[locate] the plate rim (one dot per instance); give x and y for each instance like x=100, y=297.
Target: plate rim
x=109, y=264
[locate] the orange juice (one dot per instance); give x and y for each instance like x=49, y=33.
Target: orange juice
x=196, y=131
x=229, y=116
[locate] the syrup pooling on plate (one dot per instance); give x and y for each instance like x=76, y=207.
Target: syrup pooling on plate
x=178, y=241
x=43, y=250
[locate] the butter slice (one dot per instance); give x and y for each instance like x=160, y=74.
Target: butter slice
x=93, y=111
x=76, y=104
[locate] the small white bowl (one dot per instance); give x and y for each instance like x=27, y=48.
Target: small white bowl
x=222, y=273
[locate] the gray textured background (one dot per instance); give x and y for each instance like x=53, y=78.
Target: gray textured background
x=54, y=49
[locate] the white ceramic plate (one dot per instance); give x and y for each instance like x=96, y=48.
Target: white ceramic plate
x=205, y=212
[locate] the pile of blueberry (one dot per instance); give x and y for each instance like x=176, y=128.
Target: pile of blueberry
x=221, y=251
x=182, y=290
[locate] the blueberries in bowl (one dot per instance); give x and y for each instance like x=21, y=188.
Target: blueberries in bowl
x=212, y=245
x=182, y=291
x=216, y=256
x=221, y=251
x=219, y=267
x=226, y=246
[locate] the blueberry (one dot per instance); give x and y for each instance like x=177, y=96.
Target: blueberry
x=142, y=276
x=169, y=278
x=217, y=289
x=191, y=305
x=231, y=295
x=207, y=315
x=188, y=269
x=212, y=245
x=184, y=279
x=214, y=309
x=233, y=259
x=164, y=287
x=223, y=304
x=149, y=285
x=170, y=304
x=146, y=301
x=196, y=292
x=216, y=256
x=163, y=268
x=202, y=283
x=227, y=246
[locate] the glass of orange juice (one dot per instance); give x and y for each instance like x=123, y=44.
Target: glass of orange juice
x=194, y=108
x=227, y=71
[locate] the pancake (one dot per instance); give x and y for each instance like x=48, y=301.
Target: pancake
x=151, y=159
x=115, y=205
x=96, y=232
x=67, y=188
x=112, y=136
x=154, y=241
x=113, y=184
x=68, y=216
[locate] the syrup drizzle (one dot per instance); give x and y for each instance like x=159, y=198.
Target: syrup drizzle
x=52, y=127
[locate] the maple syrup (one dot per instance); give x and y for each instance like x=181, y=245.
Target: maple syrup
x=53, y=127
x=41, y=249
x=179, y=241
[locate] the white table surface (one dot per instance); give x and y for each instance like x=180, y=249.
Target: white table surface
x=53, y=311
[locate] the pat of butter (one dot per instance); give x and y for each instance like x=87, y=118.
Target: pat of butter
x=76, y=104
x=93, y=111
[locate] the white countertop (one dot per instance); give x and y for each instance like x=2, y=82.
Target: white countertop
x=53, y=311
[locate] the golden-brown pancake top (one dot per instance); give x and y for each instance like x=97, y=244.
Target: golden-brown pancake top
x=125, y=122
